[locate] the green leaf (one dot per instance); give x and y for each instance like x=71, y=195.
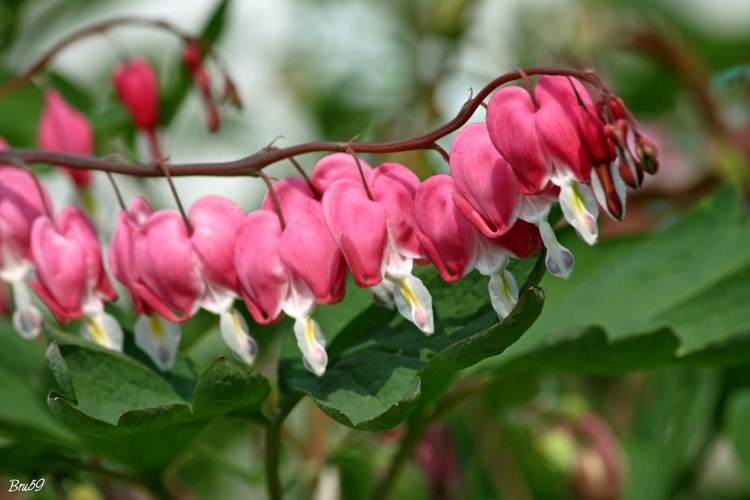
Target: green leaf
x=737, y=415
x=140, y=417
x=21, y=111
x=380, y=364
x=677, y=295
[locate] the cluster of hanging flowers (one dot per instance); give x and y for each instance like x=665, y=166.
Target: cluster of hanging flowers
x=541, y=145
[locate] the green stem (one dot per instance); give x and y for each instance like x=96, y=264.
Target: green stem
x=273, y=447
x=405, y=450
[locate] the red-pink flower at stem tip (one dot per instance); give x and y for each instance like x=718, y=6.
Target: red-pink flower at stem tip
x=138, y=88
x=488, y=193
x=288, y=192
x=63, y=128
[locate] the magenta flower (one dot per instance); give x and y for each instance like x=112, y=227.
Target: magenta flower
x=21, y=203
x=138, y=88
x=63, y=128
x=179, y=272
x=291, y=269
x=456, y=247
x=374, y=223
x=488, y=193
x=156, y=336
x=70, y=275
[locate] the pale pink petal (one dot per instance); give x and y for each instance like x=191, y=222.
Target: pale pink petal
x=138, y=88
x=337, y=166
x=289, y=191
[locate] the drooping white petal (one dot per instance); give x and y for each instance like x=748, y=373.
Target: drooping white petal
x=218, y=299
x=414, y=303
x=397, y=266
x=503, y=292
x=535, y=209
x=489, y=257
x=103, y=329
x=158, y=338
x=234, y=331
x=581, y=210
x=559, y=260
x=312, y=343
x=27, y=319
x=382, y=293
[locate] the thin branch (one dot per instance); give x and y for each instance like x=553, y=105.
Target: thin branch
x=273, y=447
x=252, y=164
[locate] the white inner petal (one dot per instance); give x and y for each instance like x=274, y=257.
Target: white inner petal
x=312, y=343
x=158, y=338
x=414, y=303
x=102, y=329
x=581, y=210
x=503, y=292
x=234, y=331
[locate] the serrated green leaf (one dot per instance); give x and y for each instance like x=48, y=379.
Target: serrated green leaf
x=136, y=415
x=379, y=363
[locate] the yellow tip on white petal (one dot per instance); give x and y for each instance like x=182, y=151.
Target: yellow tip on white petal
x=414, y=303
x=234, y=331
x=102, y=329
x=158, y=338
x=580, y=210
x=503, y=292
x=312, y=343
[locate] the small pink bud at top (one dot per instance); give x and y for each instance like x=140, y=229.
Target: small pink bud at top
x=337, y=166
x=138, y=88
x=63, y=128
x=192, y=56
x=70, y=275
x=20, y=205
x=447, y=236
x=489, y=194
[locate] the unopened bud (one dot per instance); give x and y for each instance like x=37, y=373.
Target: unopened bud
x=192, y=56
x=138, y=88
x=646, y=152
x=612, y=109
x=599, y=470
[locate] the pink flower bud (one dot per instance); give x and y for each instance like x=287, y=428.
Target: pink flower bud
x=70, y=275
x=62, y=128
x=138, y=88
x=489, y=195
x=437, y=456
x=192, y=56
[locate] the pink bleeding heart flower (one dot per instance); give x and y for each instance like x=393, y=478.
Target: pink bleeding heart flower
x=22, y=201
x=447, y=236
x=489, y=195
x=138, y=88
x=63, y=128
x=180, y=272
x=70, y=275
x=156, y=336
x=377, y=232
x=288, y=192
x=456, y=247
x=290, y=269
x=554, y=135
